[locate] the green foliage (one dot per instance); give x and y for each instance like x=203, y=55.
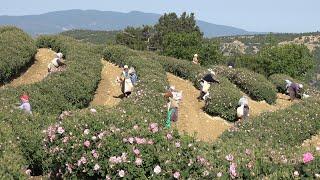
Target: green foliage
x=73, y=88
x=251, y=83
x=114, y=128
x=135, y=38
x=17, y=50
x=181, y=45
x=171, y=23
x=220, y=104
x=210, y=54
x=12, y=163
x=294, y=60
x=95, y=37
x=259, y=146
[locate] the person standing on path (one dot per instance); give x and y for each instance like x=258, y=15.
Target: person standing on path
x=173, y=100
x=125, y=81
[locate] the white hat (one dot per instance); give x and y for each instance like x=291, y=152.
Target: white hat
x=125, y=67
x=59, y=55
x=300, y=86
x=196, y=55
x=211, y=71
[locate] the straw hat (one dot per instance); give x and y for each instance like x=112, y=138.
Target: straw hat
x=125, y=66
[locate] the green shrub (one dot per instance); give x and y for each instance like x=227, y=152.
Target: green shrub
x=12, y=163
x=251, y=83
x=71, y=89
x=143, y=108
x=266, y=140
x=220, y=104
x=17, y=50
x=291, y=59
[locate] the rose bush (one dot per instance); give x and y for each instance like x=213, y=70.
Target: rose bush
x=71, y=89
x=267, y=145
x=128, y=140
x=251, y=83
x=17, y=51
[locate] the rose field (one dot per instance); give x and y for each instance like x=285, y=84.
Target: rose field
x=129, y=140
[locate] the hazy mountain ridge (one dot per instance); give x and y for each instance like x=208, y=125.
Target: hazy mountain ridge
x=56, y=22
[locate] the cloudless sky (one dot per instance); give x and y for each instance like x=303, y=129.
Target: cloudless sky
x=251, y=15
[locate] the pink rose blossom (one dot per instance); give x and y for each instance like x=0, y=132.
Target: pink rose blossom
x=86, y=143
x=177, y=144
x=82, y=160
x=157, y=169
x=233, y=170
x=96, y=167
x=153, y=127
x=95, y=154
x=136, y=152
x=69, y=168
x=176, y=175
x=150, y=142
x=169, y=136
x=86, y=131
x=229, y=157
x=131, y=140
x=138, y=161
x=60, y=130
x=248, y=151
x=140, y=140
x=121, y=173
x=307, y=157
x=65, y=139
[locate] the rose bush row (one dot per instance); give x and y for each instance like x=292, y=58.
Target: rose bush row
x=11, y=159
x=262, y=147
x=17, y=51
x=71, y=89
x=128, y=140
x=223, y=96
x=251, y=83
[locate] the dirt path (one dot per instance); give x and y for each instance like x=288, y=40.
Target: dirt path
x=258, y=107
x=108, y=88
x=37, y=71
x=192, y=119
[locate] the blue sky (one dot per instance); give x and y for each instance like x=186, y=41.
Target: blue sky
x=252, y=15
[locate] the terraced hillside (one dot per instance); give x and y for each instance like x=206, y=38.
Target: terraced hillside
x=102, y=139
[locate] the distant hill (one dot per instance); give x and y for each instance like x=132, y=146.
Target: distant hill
x=56, y=22
x=96, y=37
